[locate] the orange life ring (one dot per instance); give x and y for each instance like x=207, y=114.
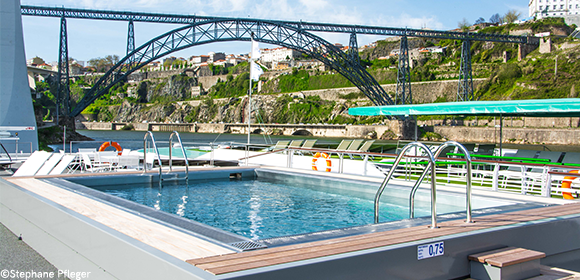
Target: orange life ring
x=325, y=156
x=111, y=143
x=566, y=184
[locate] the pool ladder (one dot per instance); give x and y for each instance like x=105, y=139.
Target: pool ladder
x=431, y=158
x=175, y=133
x=148, y=135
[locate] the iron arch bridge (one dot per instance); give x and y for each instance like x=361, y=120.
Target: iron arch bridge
x=221, y=30
x=293, y=34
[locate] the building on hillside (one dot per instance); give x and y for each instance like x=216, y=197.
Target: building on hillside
x=153, y=66
x=35, y=61
x=567, y=9
x=214, y=57
x=222, y=62
x=281, y=65
x=199, y=59
x=75, y=69
x=234, y=60
x=312, y=63
x=279, y=54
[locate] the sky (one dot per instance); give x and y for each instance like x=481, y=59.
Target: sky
x=89, y=39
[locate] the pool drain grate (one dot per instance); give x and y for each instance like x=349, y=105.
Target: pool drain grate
x=247, y=245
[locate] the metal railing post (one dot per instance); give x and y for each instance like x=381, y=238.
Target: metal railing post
x=495, y=182
x=212, y=155
x=547, y=182
x=366, y=161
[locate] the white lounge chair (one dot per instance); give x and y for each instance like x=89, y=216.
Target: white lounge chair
x=354, y=145
x=50, y=164
x=295, y=143
x=280, y=145
x=32, y=164
x=344, y=144
x=63, y=165
x=308, y=144
x=127, y=163
x=91, y=166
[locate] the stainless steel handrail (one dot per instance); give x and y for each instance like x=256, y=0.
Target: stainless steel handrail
x=468, y=180
x=6, y=151
x=149, y=133
x=182, y=150
x=468, y=176
x=433, y=180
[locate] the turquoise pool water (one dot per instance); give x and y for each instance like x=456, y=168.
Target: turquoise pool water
x=266, y=208
x=176, y=152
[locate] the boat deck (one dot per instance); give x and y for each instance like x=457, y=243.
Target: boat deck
x=274, y=256
x=169, y=240
x=218, y=260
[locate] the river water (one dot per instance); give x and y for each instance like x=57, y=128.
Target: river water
x=134, y=140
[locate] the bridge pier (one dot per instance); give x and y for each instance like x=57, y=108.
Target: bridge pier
x=403, y=94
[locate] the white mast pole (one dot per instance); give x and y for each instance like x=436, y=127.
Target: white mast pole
x=249, y=108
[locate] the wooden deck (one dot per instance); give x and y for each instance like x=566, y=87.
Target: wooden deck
x=292, y=253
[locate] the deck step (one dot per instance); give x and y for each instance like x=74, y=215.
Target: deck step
x=508, y=263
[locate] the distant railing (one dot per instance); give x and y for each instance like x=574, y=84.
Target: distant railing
x=16, y=147
x=502, y=174
x=489, y=172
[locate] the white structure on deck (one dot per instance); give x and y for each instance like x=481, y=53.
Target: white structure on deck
x=16, y=112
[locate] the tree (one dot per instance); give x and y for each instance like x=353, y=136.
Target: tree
x=112, y=59
x=511, y=16
x=464, y=24
x=103, y=64
x=495, y=19
x=480, y=20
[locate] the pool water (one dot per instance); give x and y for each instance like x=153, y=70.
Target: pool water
x=264, y=208
x=176, y=152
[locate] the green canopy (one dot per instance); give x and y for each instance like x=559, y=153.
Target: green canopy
x=565, y=107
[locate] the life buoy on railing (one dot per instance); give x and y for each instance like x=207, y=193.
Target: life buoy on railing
x=111, y=143
x=567, y=183
x=324, y=156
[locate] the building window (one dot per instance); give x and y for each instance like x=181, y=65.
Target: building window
x=555, y=6
x=562, y=7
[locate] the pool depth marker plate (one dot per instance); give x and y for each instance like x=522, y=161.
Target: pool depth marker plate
x=430, y=250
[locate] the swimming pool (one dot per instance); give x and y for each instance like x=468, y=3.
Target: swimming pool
x=266, y=204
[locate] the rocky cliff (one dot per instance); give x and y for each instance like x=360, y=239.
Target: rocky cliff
x=317, y=106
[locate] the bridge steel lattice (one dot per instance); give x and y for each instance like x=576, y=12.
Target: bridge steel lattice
x=301, y=25
x=63, y=89
x=465, y=88
x=238, y=30
x=465, y=92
